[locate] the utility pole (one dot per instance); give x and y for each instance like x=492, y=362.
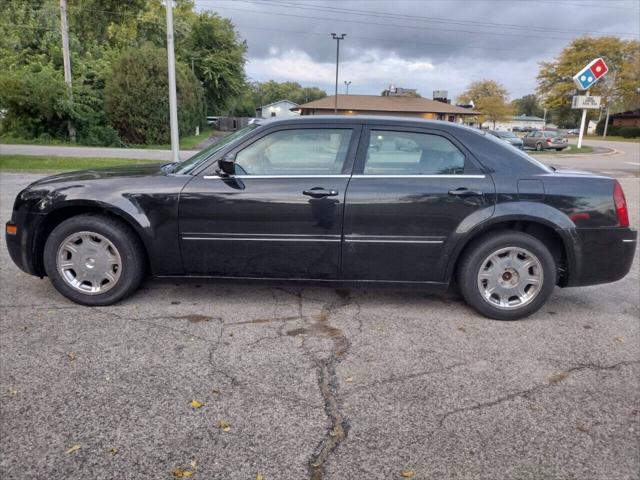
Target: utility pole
x=66, y=61
x=347, y=84
x=173, y=99
x=337, y=38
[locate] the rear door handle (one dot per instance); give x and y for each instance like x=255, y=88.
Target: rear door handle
x=319, y=192
x=464, y=192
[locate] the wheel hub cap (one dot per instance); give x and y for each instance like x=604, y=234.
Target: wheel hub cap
x=510, y=278
x=89, y=263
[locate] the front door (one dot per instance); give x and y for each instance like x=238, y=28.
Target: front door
x=410, y=191
x=281, y=215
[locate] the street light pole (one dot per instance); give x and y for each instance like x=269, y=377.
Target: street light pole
x=173, y=100
x=337, y=38
x=347, y=84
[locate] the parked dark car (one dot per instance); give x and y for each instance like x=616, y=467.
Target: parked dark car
x=545, y=140
x=346, y=200
x=508, y=137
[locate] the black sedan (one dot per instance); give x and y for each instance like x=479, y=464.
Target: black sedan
x=347, y=200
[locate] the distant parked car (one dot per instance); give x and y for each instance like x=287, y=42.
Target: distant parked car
x=545, y=141
x=517, y=129
x=573, y=131
x=509, y=137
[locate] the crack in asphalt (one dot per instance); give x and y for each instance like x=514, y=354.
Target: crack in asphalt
x=526, y=393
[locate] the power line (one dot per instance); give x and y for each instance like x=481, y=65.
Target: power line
x=413, y=27
x=415, y=18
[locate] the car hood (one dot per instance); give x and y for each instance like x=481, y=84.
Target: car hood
x=133, y=171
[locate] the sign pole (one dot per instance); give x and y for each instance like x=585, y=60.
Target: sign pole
x=584, y=118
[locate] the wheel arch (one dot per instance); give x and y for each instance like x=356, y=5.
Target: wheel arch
x=558, y=240
x=63, y=212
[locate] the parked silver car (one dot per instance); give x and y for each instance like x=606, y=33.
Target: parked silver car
x=509, y=137
x=545, y=140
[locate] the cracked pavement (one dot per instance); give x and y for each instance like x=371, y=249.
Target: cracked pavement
x=316, y=383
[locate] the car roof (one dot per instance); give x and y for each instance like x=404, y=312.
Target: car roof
x=364, y=120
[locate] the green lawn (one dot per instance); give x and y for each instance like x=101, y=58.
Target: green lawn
x=26, y=163
x=186, y=143
x=572, y=150
x=612, y=138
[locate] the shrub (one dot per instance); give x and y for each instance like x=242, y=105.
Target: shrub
x=137, y=97
x=629, y=132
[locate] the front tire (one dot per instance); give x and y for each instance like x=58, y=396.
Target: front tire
x=538, y=147
x=507, y=275
x=94, y=260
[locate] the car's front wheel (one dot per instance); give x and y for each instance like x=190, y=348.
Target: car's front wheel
x=507, y=275
x=94, y=260
x=538, y=146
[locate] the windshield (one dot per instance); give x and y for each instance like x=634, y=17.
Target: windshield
x=192, y=162
x=507, y=135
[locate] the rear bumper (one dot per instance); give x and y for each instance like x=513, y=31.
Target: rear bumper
x=602, y=255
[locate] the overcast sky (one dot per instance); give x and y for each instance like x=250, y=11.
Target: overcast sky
x=423, y=44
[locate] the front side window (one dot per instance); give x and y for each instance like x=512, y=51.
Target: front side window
x=409, y=153
x=308, y=151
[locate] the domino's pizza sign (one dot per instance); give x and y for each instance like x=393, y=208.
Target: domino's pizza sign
x=590, y=74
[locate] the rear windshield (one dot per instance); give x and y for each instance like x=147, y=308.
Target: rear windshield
x=514, y=151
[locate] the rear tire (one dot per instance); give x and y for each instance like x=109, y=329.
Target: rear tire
x=94, y=260
x=507, y=275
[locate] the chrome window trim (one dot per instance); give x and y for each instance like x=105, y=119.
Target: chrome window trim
x=360, y=175
x=209, y=177
x=348, y=240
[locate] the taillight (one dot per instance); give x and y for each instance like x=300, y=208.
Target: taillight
x=549, y=140
x=621, y=205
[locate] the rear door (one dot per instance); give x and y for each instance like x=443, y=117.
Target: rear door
x=281, y=215
x=410, y=191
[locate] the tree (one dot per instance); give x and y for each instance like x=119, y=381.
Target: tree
x=489, y=98
x=136, y=96
x=555, y=78
x=272, y=91
x=218, y=57
x=527, y=105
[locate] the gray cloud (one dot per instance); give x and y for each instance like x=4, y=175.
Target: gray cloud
x=471, y=39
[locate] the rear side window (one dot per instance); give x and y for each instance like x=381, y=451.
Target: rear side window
x=305, y=151
x=410, y=153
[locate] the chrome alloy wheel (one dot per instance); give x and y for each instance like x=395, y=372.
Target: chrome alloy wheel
x=89, y=263
x=510, y=278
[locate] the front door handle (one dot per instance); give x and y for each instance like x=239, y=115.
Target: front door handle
x=319, y=192
x=464, y=192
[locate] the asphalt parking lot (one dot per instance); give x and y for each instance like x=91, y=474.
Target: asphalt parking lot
x=315, y=382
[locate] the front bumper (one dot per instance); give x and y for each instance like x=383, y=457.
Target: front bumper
x=602, y=255
x=21, y=246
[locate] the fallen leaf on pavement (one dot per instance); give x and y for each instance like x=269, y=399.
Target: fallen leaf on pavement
x=407, y=474
x=196, y=404
x=75, y=448
x=113, y=451
x=619, y=339
x=224, y=425
x=13, y=391
x=348, y=379
x=182, y=473
x=259, y=476
x=71, y=355
x=558, y=377
x=462, y=329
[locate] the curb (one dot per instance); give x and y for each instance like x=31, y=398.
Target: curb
x=611, y=152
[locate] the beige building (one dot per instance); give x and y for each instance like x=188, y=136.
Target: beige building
x=391, y=105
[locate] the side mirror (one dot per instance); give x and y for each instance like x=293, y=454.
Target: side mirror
x=227, y=165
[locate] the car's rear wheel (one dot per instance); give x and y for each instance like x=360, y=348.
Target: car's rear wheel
x=507, y=275
x=94, y=260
